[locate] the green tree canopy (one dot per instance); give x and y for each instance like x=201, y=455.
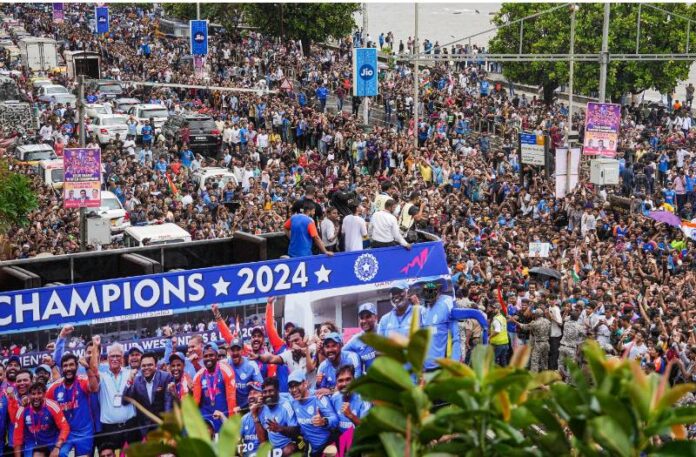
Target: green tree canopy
x=17, y=198
x=550, y=34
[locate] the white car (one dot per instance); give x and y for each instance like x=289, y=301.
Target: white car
x=55, y=93
x=123, y=105
x=209, y=175
x=144, y=112
x=95, y=109
x=112, y=210
x=106, y=126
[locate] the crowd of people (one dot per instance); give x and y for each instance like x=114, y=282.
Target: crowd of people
x=305, y=165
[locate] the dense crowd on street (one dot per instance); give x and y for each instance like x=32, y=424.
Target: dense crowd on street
x=305, y=165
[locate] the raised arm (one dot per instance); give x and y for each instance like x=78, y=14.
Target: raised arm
x=273, y=336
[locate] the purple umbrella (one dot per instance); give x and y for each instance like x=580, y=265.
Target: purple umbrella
x=666, y=217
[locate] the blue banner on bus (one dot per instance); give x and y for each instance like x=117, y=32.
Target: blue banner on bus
x=102, y=19
x=365, y=82
x=177, y=292
x=199, y=37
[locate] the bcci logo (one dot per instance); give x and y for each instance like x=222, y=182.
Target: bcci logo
x=102, y=19
x=366, y=72
x=199, y=37
x=366, y=267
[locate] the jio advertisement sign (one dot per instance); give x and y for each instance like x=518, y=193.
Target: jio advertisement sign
x=365, y=72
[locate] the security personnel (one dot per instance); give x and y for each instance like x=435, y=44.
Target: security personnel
x=499, y=336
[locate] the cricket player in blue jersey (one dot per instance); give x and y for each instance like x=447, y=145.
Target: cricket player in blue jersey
x=437, y=316
x=250, y=438
x=398, y=320
x=335, y=357
x=367, y=319
x=276, y=421
x=315, y=416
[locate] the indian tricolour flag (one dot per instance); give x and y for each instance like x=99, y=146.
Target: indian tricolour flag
x=689, y=228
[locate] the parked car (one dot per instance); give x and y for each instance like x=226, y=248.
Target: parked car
x=123, y=105
x=55, y=93
x=205, y=137
x=147, y=111
x=112, y=209
x=109, y=90
x=106, y=126
x=32, y=154
x=209, y=175
x=96, y=109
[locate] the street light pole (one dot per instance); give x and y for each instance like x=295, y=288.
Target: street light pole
x=366, y=100
x=604, y=57
x=573, y=9
x=416, y=50
x=83, y=143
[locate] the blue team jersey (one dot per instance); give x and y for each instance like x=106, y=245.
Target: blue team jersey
x=329, y=370
x=364, y=351
x=357, y=405
x=305, y=410
x=75, y=404
x=285, y=416
x=391, y=323
x=438, y=319
x=4, y=422
x=245, y=374
x=250, y=442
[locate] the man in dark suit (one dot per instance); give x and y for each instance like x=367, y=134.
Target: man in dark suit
x=150, y=389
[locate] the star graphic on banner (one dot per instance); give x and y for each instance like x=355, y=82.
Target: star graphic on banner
x=221, y=286
x=366, y=267
x=322, y=274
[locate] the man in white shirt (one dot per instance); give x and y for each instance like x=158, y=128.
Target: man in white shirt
x=262, y=139
x=328, y=230
x=384, y=228
x=554, y=315
x=353, y=229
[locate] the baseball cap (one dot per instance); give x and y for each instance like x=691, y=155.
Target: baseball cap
x=135, y=347
x=14, y=358
x=177, y=355
x=333, y=336
x=399, y=286
x=44, y=367
x=236, y=343
x=212, y=346
x=258, y=328
x=297, y=376
x=369, y=307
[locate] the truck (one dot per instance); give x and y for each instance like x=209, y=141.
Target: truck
x=85, y=63
x=39, y=54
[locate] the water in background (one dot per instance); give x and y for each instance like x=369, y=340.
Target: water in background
x=446, y=22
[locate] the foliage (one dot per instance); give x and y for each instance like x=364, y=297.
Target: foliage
x=17, y=198
x=309, y=22
x=486, y=410
x=229, y=15
x=550, y=34
x=170, y=438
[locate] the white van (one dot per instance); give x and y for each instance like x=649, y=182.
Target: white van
x=51, y=172
x=152, y=235
x=144, y=112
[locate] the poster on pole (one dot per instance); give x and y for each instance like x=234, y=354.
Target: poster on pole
x=539, y=250
x=102, y=18
x=602, y=123
x=365, y=82
x=198, y=31
x=82, y=170
x=58, y=14
x=532, y=148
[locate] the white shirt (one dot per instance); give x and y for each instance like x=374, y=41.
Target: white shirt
x=385, y=229
x=354, y=229
x=556, y=321
x=328, y=231
x=148, y=386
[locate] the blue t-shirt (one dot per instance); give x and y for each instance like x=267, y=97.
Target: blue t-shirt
x=457, y=180
x=250, y=441
x=438, y=318
x=146, y=131
x=329, y=370
x=305, y=410
x=245, y=374
x=284, y=415
x=300, y=239
x=357, y=406
x=364, y=351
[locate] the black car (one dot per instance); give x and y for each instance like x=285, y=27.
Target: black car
x=205, y=138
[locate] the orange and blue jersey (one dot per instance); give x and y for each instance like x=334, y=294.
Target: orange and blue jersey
x=216, y=391
x=4, y=422
x=42, y=428
x=74, y=403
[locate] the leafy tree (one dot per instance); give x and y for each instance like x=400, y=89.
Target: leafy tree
x=309, y=22
x=229, y=15
x=17, y=198
x=613, y=409
x=550, y=34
